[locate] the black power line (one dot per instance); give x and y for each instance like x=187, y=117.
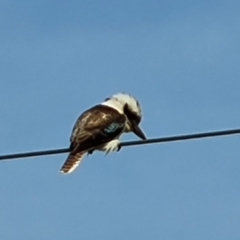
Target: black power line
x=129, y=143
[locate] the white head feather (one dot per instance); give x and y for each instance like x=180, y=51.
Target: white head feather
x=119, y=100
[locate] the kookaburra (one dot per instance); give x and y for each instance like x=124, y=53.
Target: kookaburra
x=100, y=127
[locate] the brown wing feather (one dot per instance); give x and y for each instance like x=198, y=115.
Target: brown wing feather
x=87, y=131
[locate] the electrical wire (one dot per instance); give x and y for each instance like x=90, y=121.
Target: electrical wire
x=129, y=143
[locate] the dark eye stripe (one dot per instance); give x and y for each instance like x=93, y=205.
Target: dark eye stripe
x=131, y=116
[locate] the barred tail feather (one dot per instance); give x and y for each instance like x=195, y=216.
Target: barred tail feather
x=72, y=162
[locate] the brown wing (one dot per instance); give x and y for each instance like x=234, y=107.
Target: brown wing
x=94, y=127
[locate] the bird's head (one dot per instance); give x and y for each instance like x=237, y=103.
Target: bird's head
x=130, y=106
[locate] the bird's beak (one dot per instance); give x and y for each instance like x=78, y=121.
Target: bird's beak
x=137, y=130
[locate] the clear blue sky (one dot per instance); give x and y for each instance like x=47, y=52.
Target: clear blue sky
x=180, y=59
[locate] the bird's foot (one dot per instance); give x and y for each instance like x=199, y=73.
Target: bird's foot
x=114, y=145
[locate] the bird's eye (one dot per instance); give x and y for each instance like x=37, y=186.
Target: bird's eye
x=137, y=119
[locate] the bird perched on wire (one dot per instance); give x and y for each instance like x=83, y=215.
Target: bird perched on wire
x=100, y=127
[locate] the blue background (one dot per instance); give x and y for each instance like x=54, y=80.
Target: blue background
x=180, y=59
